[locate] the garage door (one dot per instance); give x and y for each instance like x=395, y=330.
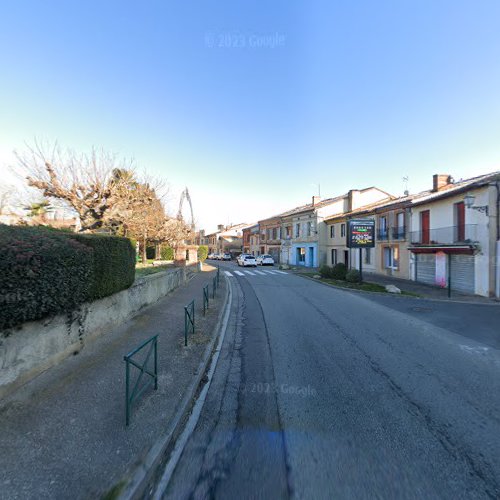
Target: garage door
x=462, y=273
x=426, y=268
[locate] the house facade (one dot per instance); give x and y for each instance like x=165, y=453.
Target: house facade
x=227, y=239
x=392, y=257
x=336, y=245
x=454, y=238
x=251, y=239
x=270, y=237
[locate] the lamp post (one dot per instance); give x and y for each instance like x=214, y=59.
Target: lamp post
x=469, y=203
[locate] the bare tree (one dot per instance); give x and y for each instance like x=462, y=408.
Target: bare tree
x=84, y=182
x=6, y=194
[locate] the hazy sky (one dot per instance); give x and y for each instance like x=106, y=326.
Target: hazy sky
x=251, y=103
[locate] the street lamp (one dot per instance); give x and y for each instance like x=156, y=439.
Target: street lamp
x=469, y=203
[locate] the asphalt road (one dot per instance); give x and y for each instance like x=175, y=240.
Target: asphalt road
x=323, y=393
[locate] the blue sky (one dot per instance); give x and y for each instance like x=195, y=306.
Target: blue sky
x=251, y=103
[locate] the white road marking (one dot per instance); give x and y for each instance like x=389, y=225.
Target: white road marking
x=228, y=273
x=250, y=272
x=281, y=272
x=260, y=272
x=474, y=350
x=269, y=272
x=239, y=273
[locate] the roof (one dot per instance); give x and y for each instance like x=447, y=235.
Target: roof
x=367, y=208
x=455, y=188
x=307, y=207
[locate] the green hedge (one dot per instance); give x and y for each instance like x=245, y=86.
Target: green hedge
x=113, y=266
x=44, y=271
x=202, y=253
x=167, y=253
x=41, y=273
x=339, y=271
x=353, y=276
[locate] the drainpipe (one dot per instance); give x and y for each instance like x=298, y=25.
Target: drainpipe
x=497, y=243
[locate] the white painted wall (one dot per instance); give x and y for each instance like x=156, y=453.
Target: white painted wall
x=442, y=215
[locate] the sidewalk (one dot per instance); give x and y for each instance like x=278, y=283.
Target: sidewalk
x=421, y=289
x=63, y=434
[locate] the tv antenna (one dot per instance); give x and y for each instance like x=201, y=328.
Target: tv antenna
x=405, y=185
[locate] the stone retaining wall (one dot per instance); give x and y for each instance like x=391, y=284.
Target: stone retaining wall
x=35, y=346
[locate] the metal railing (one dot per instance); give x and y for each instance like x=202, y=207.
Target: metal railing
x=399, y=233
x=451, y=235
x=188, y=320
x=382, y=234
x=137, y=390
x=205, y=299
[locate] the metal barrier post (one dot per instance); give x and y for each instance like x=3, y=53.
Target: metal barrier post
x=205, y=299
x=214, y=286
x=131, y=396
x=188, y=319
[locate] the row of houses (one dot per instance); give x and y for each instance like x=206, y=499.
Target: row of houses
x=227, y=239
x=449, y=233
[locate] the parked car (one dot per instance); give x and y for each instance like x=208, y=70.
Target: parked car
x=249, y=260
x=226, y=256
x=241, y=257
x=211, y=256
x=265, y=260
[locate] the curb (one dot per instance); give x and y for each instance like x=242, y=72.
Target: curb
x=396, y=295
x=144, y=473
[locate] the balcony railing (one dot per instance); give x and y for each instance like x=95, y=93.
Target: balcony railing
x=382, y=234
x=452, y=235
x=398, y=233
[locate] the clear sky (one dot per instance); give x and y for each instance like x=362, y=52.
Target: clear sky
x=252, y=103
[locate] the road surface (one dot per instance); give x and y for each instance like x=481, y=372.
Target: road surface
x=325, y=393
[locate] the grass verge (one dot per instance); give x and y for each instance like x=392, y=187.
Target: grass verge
x=145, y=271
x=365, y=286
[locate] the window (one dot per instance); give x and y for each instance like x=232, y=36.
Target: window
x=332, y=231
x=297, y=230
x=342, y=230
x=425, y=231
x=368, y=255
x=309, y=228
x=382, y=227
x=275, y=233
x=391, y=257
x=334, y=256
x=288, y=231
x=459, y=216
x=302, y=254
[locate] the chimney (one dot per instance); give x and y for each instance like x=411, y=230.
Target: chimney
x=440, y=181
x=316, y=200
x=352, y=199
x=220, y=227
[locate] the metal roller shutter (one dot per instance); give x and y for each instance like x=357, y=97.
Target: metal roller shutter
x=426, y=268
x=462, y=273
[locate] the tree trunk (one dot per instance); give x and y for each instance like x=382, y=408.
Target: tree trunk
x=157, y=251
x=144, y=254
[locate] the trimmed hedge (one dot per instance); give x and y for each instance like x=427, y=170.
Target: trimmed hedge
x=113, y=267
x=41, y=273
x=202, y=253
x=167, y=253
x=44, y=271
